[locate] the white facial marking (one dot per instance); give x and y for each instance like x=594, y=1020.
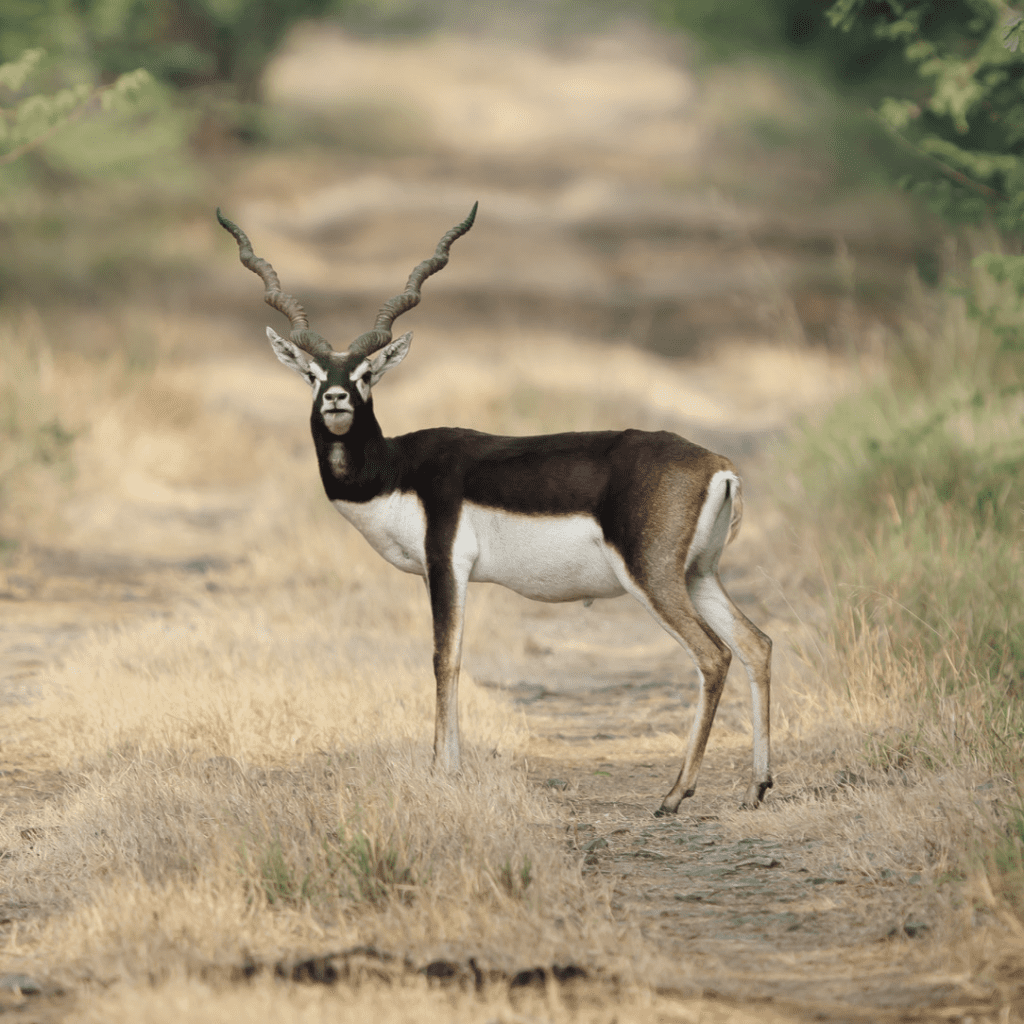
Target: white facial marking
x=336, y=409
x=362, y=376
x=338, y=423
x=296, y=359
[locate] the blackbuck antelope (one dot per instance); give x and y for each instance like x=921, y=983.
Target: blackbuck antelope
x=561, y=517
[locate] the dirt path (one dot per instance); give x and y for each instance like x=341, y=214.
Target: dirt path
x=716, y=902
x=609, y=699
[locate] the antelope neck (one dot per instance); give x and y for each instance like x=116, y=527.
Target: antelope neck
x=360, y=464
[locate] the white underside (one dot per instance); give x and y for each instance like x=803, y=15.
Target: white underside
x=546, y=558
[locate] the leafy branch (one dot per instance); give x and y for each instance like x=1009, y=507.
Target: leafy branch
x=37, y=118
x=941, y=166
x=962, y=111
x=1013, y=26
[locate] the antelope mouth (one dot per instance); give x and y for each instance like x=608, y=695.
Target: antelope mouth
x=337, y=421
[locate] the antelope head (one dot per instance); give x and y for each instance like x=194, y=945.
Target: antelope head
x=341, y=381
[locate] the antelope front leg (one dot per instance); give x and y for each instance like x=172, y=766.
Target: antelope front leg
x=448, y=605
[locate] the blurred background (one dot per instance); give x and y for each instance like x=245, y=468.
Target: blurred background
x=664, y=173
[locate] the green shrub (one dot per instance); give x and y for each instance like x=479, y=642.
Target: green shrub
x=914, y=492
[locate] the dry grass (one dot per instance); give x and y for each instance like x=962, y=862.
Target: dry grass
x=207, y=1003
x=246, y=772
x=252, y=774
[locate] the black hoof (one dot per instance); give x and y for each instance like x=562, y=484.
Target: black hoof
x=663, y=812
x=755, y=795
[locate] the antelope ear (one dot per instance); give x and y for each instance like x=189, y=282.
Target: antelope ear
x=296, y=359
x=390, y=355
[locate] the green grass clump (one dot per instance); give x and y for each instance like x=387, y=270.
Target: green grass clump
x=914, y=494
x=923, y=496
x=359, y=867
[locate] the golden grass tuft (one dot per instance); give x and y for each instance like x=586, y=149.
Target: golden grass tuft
x=275, y=759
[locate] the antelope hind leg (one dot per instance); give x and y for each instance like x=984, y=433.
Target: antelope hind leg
x=754, y=650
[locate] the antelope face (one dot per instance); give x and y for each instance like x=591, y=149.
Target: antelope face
x=341, y=382
x=350, y=377
x=345, y=389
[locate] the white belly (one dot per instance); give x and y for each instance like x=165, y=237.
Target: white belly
x=396, y=527
x=546, y=558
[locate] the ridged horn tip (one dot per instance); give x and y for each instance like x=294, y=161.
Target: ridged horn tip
x=228, y=225
x=380, y=334
x=272, y=294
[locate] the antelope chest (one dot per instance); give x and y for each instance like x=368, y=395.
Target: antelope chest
x=395, y=526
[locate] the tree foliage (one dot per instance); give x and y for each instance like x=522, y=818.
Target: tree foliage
x=964, y=108
x=193, y=42
x=944, y=77
x=182, y=43
x=795, y=33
